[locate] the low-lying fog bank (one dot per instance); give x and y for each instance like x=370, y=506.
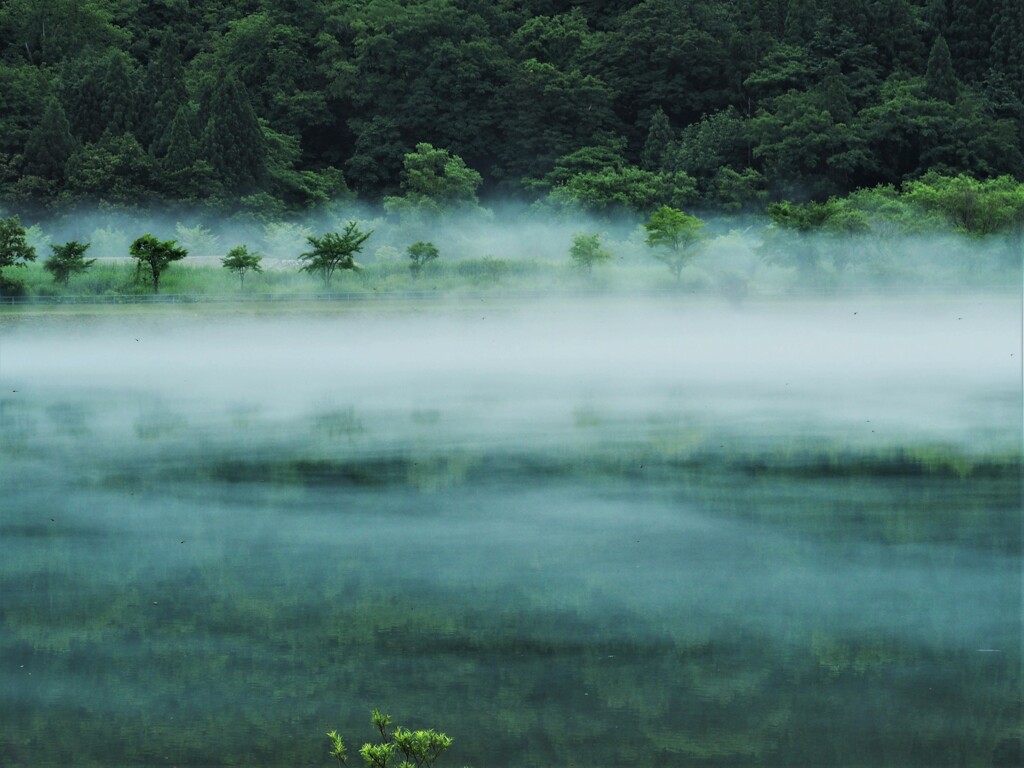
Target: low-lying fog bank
x=946, y=367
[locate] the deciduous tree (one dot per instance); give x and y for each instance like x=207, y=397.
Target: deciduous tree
x=239, y=260
x=14, y=248
x=157, y=255
x=67, y=260
x=434, y=180
x=421, y=253
x=586, y=251
x=333, y=251
x=674, y=237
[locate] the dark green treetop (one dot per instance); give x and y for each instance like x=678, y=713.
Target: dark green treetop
x=157, y=255
x=240, y=260
x=659, y=136
x=940, y=80
x=421, y=253
x=50, y=144
x=232, y=141
x=67, y=260
x=334, y=251
x=14, y=248
x=674, y=237
x=586, y=251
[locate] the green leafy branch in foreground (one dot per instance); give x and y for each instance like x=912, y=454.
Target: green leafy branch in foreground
x=419, y=749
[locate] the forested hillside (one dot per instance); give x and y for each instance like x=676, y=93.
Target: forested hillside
x=722, y=104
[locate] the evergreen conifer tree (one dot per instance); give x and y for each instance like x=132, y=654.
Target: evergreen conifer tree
x=801, y=20
x=232, y=140
x=83, y=95
x=164, y=92
x=940, y=81
x=835, y=93
x=935, y=15
x=50, y=144
x=118, y=104
x=180, y=148
x=971, y=29
x=1008, y=44
x=659, y=136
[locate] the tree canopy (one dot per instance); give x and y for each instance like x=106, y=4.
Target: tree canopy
x=67, y=260
x=157, y=255
x=674, y=237
x=333, y=251
x=435, y=104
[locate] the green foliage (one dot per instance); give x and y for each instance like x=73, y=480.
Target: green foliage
x=735, y=192
x=627, y=189
x=334, y=251
x=421, y=253
x=15, y=250
x=971, y=206
x=812, y=237
x=68, y=259
x=376, y=160
x=659, y=137
x=338, y=751
x=50, y=144
x=586, y=251
x=281, y=238
x=704, y=147
x=435, y=181
x=239, y=260
x=197, y=239
x=156, y=254
x=674, y=237
x=232, y=140
x=939, y=80
x=116, y=168
x=418, y=749
x=598, y=158
x=548, y=113
x=256, y=107
x=805, y=151
x=185, y=174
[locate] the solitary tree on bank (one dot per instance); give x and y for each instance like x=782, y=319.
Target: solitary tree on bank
x=333, y=251
x=240, y=261
x=157, y=255
x=14, y=248
x=586, y=251
x=421, y=253
x=67, y=260
x=675, y=237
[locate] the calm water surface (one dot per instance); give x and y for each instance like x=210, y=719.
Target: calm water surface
x=612, y=535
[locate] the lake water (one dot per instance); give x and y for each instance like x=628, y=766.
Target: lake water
x=606, y=534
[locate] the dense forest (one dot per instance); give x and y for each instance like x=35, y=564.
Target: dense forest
x=721, y=105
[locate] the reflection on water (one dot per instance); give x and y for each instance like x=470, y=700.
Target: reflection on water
x=609, y=537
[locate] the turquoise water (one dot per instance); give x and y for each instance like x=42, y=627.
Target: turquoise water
x=612, y=535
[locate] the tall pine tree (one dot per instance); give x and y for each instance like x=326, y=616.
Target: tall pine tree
x=801, y=21
x=971, y=29
x=232, y=140
x=179, y=143
x=659, y=136
x=1008, y=44
x=119, y=102
x=51, y=144
x=940, y=80
x=163, y=91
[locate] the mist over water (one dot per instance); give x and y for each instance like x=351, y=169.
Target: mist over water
x=615, y=532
